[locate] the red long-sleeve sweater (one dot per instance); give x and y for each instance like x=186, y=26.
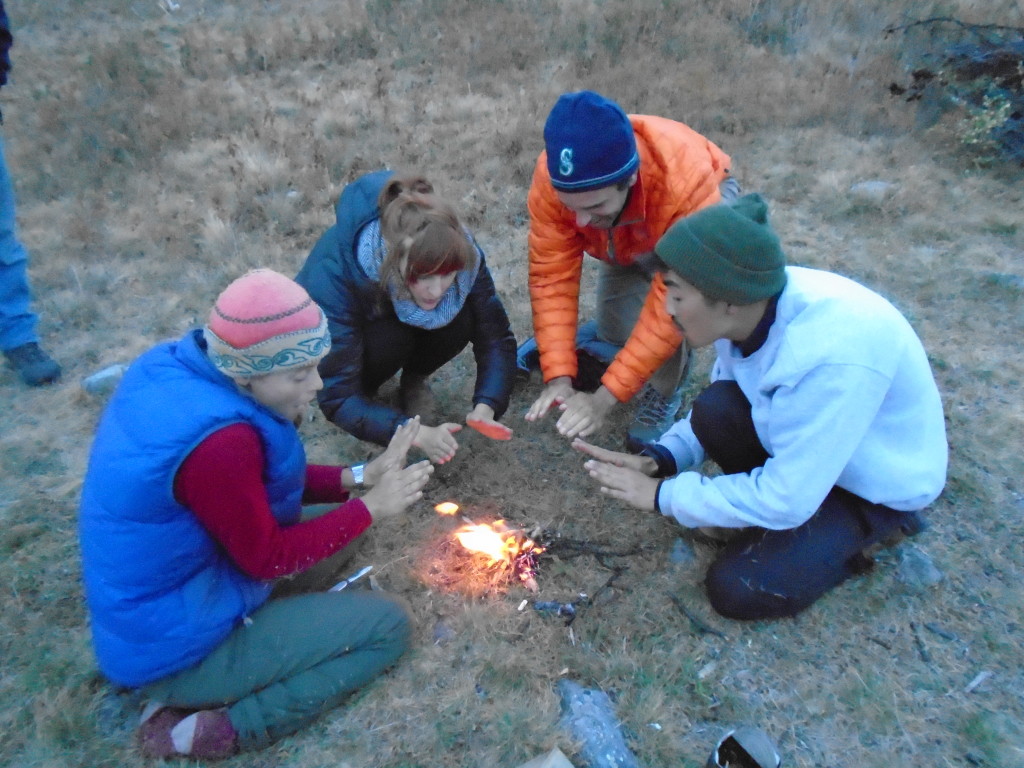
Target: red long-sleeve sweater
x=221, y=482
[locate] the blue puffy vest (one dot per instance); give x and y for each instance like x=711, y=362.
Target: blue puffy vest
x=162, y=593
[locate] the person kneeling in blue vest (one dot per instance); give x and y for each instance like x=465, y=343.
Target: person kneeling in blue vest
x=823, y=415
x=192, y=507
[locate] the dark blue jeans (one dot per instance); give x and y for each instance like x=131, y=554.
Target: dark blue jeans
x=765, y=574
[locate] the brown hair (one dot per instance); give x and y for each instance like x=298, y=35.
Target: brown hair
x=422, y=232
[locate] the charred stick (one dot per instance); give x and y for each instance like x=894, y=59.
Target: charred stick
x=699, y=624
x=937, y=630
x=975, y=28
x=919, y=642
x=566, y=549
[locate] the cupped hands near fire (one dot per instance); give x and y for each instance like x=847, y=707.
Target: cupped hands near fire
x=193, y=506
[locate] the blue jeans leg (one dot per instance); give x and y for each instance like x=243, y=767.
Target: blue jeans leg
x=17, y=321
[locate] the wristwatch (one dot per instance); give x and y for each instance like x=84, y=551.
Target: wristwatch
x=357, y=474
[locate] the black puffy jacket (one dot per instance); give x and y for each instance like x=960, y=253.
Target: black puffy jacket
x=353, y=303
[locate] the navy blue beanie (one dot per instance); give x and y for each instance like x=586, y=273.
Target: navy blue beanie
x=589, y=142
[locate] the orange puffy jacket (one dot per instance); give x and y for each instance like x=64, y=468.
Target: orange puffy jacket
x=680, y=171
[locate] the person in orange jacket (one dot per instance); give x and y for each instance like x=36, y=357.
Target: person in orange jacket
x=610, y=185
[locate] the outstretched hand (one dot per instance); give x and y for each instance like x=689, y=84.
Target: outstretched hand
x=438, y=443
x=622, y=476
x=397, y=488
x=395, y=454
x=481, y=418
x=556, y=392
x=643, y=464
x=584, y=413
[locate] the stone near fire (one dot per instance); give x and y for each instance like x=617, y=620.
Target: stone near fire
x=589, y=716
x=682, y=553
x=916, y=569
x=871, y=192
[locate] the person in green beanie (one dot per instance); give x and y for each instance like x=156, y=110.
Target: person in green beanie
x=822, y=413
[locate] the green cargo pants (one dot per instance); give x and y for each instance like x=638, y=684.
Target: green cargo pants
x=293, y=659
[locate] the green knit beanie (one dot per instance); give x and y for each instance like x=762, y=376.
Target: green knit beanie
x=727, y=252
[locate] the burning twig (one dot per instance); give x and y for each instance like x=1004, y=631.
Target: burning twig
x=506, y=549
x=482, y=557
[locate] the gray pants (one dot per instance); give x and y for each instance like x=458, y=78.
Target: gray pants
x=621, y=292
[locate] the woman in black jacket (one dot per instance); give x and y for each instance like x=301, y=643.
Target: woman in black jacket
x=405, y=288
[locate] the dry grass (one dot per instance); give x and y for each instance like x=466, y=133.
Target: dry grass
x=158, y=155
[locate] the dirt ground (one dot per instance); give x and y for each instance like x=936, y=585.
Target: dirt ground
x=159, y=153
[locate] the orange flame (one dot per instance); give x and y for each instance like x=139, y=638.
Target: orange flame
x=487, y=539
x=446, y=508
x=504, y=548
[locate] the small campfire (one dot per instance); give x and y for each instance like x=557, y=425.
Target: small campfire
x=480, y=558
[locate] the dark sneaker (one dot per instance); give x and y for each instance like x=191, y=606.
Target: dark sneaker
x=527, y=358
x=655, y=413
x=33, y=364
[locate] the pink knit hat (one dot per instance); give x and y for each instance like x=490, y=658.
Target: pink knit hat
x=265, y=322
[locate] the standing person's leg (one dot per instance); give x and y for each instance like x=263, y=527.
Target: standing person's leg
x=17, y=320
x=293, y=660
x=18, y=338
x=621, y=292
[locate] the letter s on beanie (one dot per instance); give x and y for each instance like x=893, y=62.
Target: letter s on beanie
x=263, y=323
x=727, y=252
x=589, y=143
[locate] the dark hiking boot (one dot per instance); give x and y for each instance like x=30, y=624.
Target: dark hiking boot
x=589, y=371
x=655, y=413
x=33, y=364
